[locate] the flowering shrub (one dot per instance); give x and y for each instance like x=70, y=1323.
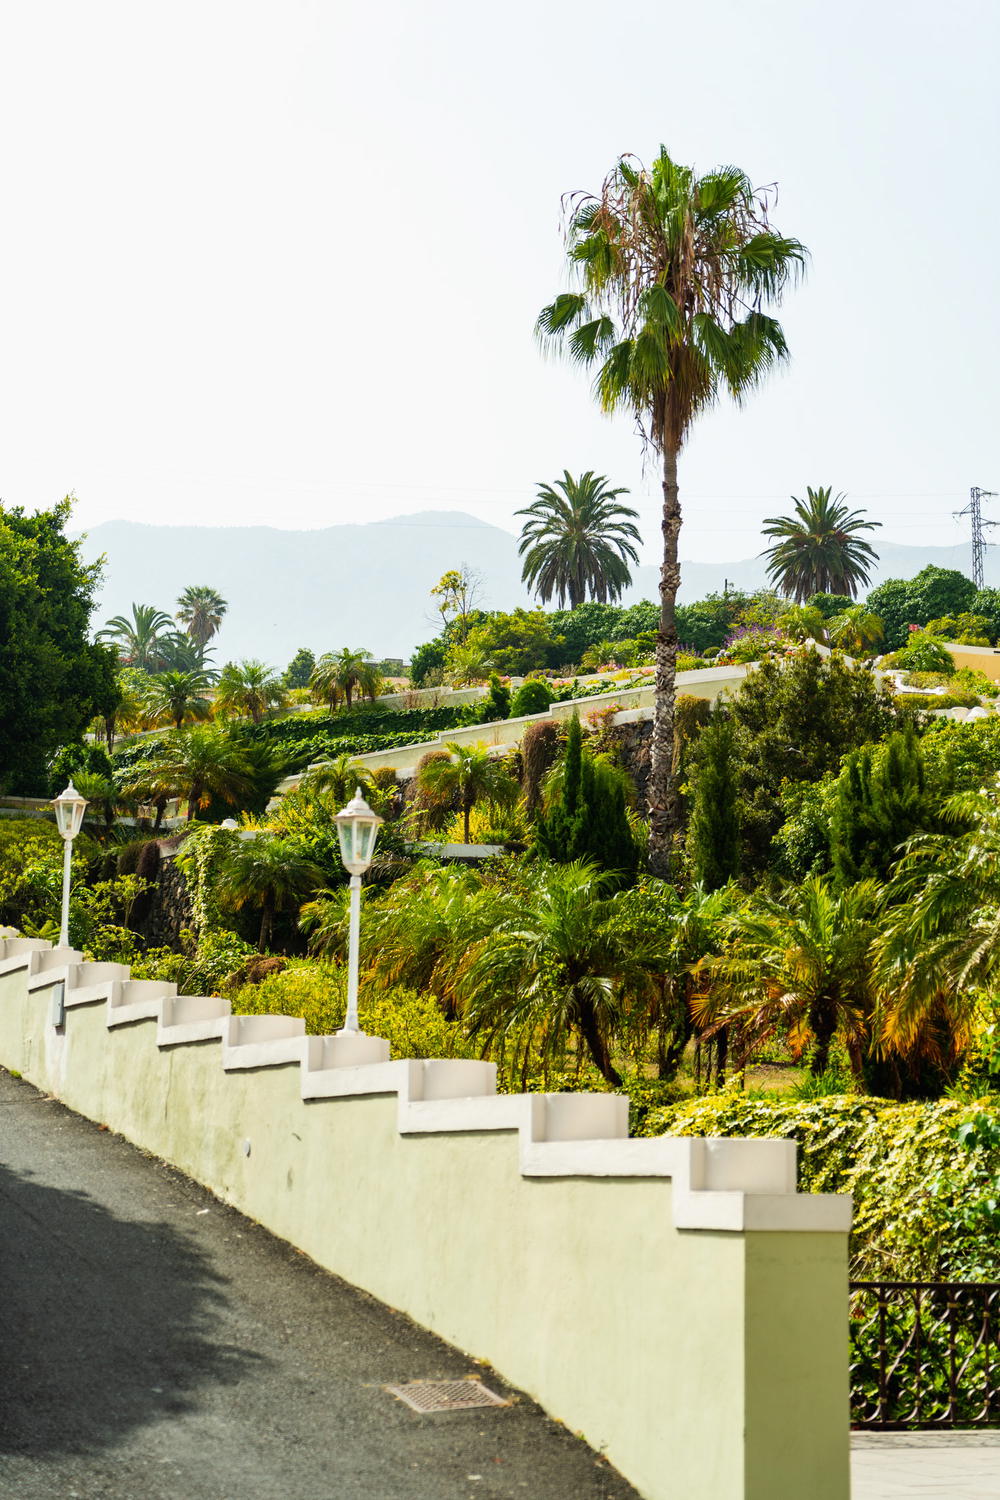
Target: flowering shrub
x=749, y=643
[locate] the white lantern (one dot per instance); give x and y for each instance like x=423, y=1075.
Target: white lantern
x=70, y=808
x=357, y=829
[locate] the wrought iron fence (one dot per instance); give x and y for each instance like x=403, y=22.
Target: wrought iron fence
x=925, y=1354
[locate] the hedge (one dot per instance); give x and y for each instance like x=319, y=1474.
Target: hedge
x=915, y=1186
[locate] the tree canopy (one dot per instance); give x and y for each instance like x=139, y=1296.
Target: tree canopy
x=53, y=679
x=818, y=549
x=676, y=274
x=578, y=540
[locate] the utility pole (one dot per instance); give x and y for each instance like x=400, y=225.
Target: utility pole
x=979, y=543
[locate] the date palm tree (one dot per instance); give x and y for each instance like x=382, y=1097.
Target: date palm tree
x=467, y=774
x=139, y=638
x=268, y=872
x=201, y=609
x=340, y=674
x=553, y=965
x=941, y=944
x=249, y=687
x=803, y=966
x=578, y=541
x=675, y=275
x=179, y=697
x=197, y=764
x=818, y=550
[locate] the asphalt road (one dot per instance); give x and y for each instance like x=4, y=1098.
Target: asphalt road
x=155, y=1345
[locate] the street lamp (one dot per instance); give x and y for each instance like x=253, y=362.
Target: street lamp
x=357, y=829
x=70, y=808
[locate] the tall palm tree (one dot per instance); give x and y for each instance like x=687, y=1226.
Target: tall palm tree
x=197, y=764
x=202, y=610
x=249, y=687
x=340, y=674
x=578, y=540
x=676, y=272
x=139, y=639
x=802, y=965
x=179, y=697
x=271, y=873
x=468, y=775
x=818, y=549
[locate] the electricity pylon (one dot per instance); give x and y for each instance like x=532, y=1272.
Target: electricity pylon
x=979, y=542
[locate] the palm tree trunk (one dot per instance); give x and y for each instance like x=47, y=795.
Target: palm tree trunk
x=823, y=1024
x=597, y=1045
x=266, y=919
x=466, y=814
x=664, y=805
x=194, y=797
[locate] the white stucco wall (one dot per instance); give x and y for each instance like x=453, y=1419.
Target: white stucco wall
x=675, y=1301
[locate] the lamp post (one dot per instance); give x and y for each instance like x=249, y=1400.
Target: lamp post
x=70, y=808
x=357, y=829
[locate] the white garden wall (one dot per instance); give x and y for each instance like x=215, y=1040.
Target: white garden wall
x=673, y=1300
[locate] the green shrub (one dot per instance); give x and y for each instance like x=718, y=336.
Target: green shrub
x=413, y=1024
x=911, y=1177
x=532, y=697
x=934, y=702
x=922, y=653
x=976, y=682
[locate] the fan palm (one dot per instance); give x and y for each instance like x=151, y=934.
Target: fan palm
x=676, y=272
x=202, y=610
x=179, y=697
x=802, y=965
x=271, y=873
x=818, y=549
x=340, y=674
x=249, y=687
x=468, y=775
x=139, y=639
x=578, y=540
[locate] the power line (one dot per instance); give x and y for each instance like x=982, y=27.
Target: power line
x=979, y=543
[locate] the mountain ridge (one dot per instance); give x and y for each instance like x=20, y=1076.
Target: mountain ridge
x=347, y=587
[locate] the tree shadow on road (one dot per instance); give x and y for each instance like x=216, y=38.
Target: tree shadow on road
x=106, y=1324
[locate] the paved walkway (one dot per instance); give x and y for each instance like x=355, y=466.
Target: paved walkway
x=952, y=1466
x=157, y=1346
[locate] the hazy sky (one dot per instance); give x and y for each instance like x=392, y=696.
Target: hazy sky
x=279, y=262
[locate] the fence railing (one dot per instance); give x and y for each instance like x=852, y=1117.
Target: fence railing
x=925, y=1354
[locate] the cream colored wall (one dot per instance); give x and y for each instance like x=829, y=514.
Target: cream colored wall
x=709, y=1362
x=979, y=658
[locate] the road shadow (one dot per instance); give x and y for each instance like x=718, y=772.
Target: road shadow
x=106, y=1324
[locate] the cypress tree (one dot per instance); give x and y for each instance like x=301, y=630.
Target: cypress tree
x=882, y=801
x=714, y=831
x=587, y=817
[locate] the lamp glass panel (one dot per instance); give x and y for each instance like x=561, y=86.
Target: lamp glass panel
x=345, y=832
x=366, y=840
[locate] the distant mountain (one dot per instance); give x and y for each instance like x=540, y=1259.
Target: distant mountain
x=368, y=585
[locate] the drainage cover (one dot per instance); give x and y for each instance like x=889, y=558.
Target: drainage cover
x=445, y=1395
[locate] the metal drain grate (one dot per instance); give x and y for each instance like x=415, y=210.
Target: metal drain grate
x=445, y=1395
